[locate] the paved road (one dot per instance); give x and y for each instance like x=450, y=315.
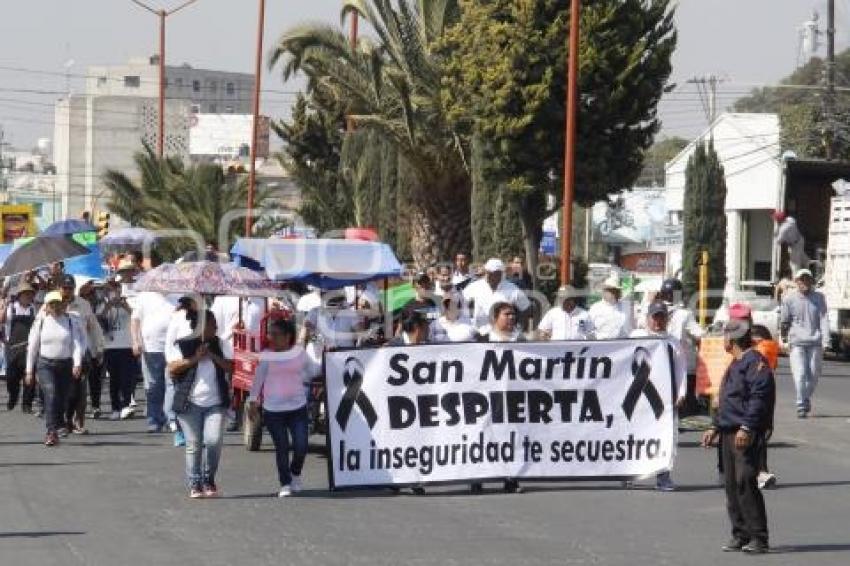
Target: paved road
x=115, y=498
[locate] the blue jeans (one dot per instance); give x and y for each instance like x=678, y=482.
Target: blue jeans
x=54, y=377
x=153, y=368
x=204, y=431
x=805, y=367
x=280, y=425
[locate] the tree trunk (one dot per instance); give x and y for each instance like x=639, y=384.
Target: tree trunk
x=440, y=221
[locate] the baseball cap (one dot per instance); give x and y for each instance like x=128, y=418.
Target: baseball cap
x=493, y=265
x=657, y=307
x=68, y=281
x=803, y=273
x=740, y=311
x=126, y=264
x=779, y=215
x=53, y=297
x=24, y=288
x=612, y=282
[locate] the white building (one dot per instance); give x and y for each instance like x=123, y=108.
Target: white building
x=209, y=92
x=219, y=137
x=749, y=150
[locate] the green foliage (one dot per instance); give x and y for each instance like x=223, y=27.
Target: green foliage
x=171, y=196
x=390, y=85
x=505, y=80
x=704, y=221
x=805, y=127
x=312, y=153
x=656, y=158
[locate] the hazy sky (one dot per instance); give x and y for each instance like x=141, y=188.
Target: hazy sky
x=745, y=42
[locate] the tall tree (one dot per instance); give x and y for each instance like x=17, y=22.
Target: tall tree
x=656, y=158
x=505, y=82
x=704, y=220
x=390, y=85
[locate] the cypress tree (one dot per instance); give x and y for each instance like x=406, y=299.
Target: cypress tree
x=704, y=221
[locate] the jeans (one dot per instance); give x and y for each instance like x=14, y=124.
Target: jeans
x=280, y=425
x=744, y=500
x=75, y=411
x=55, y=377
x=15, y=374
x=153, y=368
x=123, y=368
x=805, y=367
x=168, y=403
x=204, y=431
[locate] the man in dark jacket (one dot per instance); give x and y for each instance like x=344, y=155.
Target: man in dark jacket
x=745, y=412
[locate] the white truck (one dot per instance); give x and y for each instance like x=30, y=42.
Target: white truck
x=836, y=274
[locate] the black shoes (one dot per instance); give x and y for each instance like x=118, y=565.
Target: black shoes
x=734, y=545
x=755, y=547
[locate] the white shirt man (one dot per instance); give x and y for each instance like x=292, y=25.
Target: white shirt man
x=789, y=234
x=566, y=321
x=611, y=317
x=684, y=328
x=493, y=288
x=151, y=315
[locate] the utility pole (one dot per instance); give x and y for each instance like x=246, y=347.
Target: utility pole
x=570, y=143
x=252, y=166
x=829, y=99
x=162, y=14
x=707, y=89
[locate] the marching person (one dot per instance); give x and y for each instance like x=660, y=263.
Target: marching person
x=747, y=398
x=92, y=294
x=183, y=322
x=502, y=328
x=657, y=324
x=20, y=314
x=280, y=386
x=764, y=344
x=682, y=326
x=787, y=233
x=200, y=366
x=149, y=325
x=55, y=355
x=566, y=320
x=611, y=317
x=804, y=321
x=461, y=275
x=122, y=365
x=77, y=398
x=452, y=326
x=493, y=288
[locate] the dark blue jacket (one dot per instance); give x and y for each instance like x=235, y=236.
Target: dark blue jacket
x=747, y=395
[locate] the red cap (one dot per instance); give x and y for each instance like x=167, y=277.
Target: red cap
x=740, y=311
x=779, y=215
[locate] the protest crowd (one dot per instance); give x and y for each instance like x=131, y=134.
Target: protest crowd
x=65, y=338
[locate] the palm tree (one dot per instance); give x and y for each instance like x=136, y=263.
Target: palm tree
x=391, y=89
x=173, y=197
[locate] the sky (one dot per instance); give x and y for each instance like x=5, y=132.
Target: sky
x=743, y=42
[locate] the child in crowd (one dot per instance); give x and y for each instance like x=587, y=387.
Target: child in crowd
x=764, y=344
x=280, y=386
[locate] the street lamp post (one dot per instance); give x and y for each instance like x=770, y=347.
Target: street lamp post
x=161, y=14
x=570, y=143
x=252, y=166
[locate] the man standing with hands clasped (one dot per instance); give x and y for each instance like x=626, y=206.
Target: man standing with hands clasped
x=747, y=398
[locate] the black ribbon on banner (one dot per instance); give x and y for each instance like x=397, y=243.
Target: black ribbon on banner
x=352, y=377
x=642, y=385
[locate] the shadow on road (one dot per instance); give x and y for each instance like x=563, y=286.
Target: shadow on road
x=803, y=548
x=39, y=534
x=28, y=464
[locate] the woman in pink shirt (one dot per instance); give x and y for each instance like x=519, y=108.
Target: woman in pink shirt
x=280, y=386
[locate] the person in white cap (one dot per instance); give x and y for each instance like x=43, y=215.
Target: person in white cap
x=566, y=320
x=804, y=322
x=482, y=294
x=611, y=317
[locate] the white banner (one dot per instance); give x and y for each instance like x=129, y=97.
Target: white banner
x=458, y=412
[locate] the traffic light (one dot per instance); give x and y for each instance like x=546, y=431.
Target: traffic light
x=102, y=224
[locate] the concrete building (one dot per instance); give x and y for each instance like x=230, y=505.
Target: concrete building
x=222, y=137
x=93, y=134
x=208, y=92
x=749, y=150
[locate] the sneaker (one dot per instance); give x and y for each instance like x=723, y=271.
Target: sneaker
x=196, y=492
x=133, y=403
x=154, y=428
x=210, y=490
x=95, y=413
x=115, y=416
x=802, y=413
x=297, y=485
x=81, y=430
x=663, y=482
x=766, y=480
x=39, y=413
x=756, y=547
x=63, y=432
x=127, y=412
x=735, y=544
x=285, y=491
x=172, y=426
x=51, y=439
x=179, y=439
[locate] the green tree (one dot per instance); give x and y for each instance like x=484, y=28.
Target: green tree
x=656, y=158
x=312, y=151
x=505, y=82
x=390, y=85
x=704, y=221
x=799, y=102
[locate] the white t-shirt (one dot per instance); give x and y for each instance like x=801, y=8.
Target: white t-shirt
x=445, y=330
x=484, y=297
x=153, y=311
x=561, y=325
x=684, y=328
x=308, y=302
x=680, y=371
x=610, y=321
x=226, y=311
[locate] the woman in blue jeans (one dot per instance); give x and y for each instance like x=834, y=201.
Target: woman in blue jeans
x=281, y=381
x=199, y=366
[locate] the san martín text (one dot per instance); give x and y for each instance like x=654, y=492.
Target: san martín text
x=463, y=415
